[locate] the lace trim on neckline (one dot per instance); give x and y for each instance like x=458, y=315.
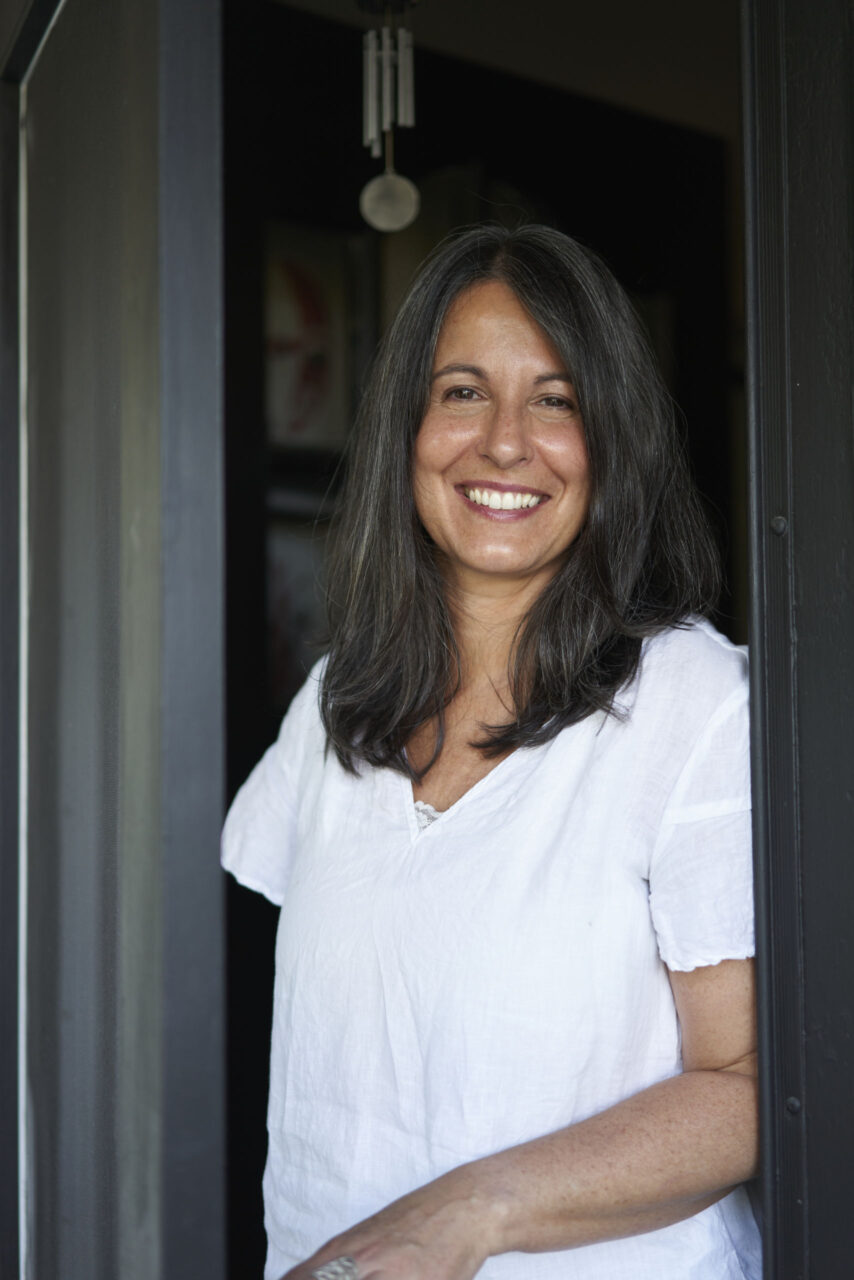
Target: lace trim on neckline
x=425, y=813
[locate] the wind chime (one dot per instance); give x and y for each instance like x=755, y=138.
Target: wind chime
x=388, y=202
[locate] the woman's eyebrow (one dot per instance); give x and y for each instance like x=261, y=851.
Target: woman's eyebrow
x=473, y=369
x=476, y=372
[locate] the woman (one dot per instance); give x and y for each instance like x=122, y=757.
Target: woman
x=508, y=819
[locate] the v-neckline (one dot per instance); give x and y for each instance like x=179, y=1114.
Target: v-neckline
x=578, y=732
x=442, y=814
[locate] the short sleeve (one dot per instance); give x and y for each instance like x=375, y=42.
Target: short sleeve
x=701, y=871
x=259, y=832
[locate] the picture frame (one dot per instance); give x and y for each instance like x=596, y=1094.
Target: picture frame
x=320, y=331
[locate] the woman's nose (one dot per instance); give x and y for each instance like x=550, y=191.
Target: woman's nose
x=505, y=440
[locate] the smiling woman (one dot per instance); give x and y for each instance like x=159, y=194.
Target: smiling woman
x=642, y=558
x=500, y=468
x=513, y=1010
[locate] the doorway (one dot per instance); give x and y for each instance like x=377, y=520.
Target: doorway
x=650, y=186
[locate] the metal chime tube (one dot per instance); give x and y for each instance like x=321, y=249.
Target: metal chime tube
x=388, y=90
x=370, y=88
x=405, y=79
x=388, y=79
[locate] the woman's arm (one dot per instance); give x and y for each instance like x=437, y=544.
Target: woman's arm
x=649, y=1161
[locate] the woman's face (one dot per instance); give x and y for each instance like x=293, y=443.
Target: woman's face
x=501, y=474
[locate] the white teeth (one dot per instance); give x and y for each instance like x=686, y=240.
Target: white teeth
x=502, y=500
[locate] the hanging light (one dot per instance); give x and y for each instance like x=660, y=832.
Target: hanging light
x=388, y=202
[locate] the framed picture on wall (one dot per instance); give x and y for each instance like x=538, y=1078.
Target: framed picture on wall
x=320, y=328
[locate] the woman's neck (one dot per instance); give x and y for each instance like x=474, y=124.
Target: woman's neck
x=486, y=614
x=486, y=617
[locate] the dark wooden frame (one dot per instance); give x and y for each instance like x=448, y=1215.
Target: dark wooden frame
x=799, y=144
x=9, y=676
x=193, y=657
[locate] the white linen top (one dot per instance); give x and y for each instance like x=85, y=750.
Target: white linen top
x=445, y=993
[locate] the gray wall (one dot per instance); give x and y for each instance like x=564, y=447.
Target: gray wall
x=124, y=722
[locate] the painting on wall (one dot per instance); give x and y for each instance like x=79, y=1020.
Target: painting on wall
x=319, y=333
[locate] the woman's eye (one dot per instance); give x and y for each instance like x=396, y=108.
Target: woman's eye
x=557, y=402
x=461, y=393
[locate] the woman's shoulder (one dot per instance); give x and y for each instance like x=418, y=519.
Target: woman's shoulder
x=306, y=701
x=696, y=650
x=302, y=730
x=257, y=839
x=690, y=672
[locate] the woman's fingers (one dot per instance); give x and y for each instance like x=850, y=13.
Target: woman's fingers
x=427, y=1235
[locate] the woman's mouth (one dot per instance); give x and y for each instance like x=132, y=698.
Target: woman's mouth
x=502, y=500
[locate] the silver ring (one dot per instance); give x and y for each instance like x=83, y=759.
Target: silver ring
x=338, y=1269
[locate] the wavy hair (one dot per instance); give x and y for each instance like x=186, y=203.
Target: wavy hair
x=643, y=561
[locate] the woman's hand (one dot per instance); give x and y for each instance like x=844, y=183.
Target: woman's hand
x=439, y=1232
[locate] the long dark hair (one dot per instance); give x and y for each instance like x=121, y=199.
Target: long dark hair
x=643, y=561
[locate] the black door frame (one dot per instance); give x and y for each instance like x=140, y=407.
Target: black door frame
x=799, y=150
x=9, y=677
